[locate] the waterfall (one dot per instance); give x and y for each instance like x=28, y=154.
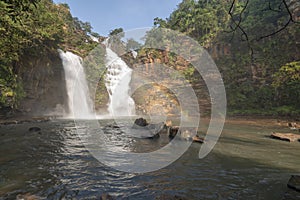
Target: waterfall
x=117, y=82
x=79, y=101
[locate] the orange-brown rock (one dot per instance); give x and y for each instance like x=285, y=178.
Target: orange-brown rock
x=291, y=137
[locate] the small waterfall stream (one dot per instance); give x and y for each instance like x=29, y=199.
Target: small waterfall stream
x=117, y=82
x=79, y=101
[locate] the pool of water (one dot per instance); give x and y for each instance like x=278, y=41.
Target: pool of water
x=54, y=164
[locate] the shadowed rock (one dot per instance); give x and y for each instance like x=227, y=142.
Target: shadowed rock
x=293, y=191
x=198, y=139
x=294, y=183
x=172, y=131
x=140, y=122
x=34, y=129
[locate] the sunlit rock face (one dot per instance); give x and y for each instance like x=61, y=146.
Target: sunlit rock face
x=158, y=99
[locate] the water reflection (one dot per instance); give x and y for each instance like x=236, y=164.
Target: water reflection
x=55, y=164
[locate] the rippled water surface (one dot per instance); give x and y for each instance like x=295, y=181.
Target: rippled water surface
x=54, y=164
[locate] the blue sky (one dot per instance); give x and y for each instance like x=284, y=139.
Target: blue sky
x=106, y=15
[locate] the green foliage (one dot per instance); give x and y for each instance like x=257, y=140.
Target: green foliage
x=96, y=70
x=31, y=29
x=201, y=20
x=288, y=74
x=117, y=31
x=287, y=83
x=131, y=44
x=253, y=79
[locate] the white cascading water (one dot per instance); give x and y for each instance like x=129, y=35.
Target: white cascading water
x=117, y=82
x=79, y=101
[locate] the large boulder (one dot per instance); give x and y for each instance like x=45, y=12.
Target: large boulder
x=141, y=122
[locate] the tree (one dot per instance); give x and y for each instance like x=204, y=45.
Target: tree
x=132, y=44
x=199, y=19
x=31, y=30
x=287, y=83
x=249, y=40
x=117, y=31
x=239, y=9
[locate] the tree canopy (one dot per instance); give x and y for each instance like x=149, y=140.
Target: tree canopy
x=32, y=29
x=250, y=41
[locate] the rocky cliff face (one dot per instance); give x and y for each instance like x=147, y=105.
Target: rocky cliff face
x=44, y=86
x=155, y=98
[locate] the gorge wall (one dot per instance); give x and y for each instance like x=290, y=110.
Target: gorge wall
x=44, y=86
x=155, y=98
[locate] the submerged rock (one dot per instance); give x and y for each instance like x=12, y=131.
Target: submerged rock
x=170, y=197
x=34, y=129
x=106, y=197
x=112, y=126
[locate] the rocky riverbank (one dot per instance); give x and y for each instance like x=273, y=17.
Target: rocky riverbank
x=23, y=120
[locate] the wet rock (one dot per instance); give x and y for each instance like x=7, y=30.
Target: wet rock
x=172, y=131
x=291, y=195
x=293, y=126
x=24, y=120
x=9, y=122
x=42, y=119
x=290, y=137
x=115, y=126
x=141, y=122
x=150, y=131
x=106, y=197
x=27, y=196
x=293, y=191
x=198, y=139
x=294, y=183
x=112, y=126
x=34, y=129
x=170, y=197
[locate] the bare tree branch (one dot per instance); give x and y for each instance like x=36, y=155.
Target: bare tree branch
x=244, y=36
x=290, y=20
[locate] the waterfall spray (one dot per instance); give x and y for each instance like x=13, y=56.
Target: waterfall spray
x=79, y=101
x=117, y=82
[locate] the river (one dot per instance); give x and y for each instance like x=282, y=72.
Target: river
x=54, y=164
